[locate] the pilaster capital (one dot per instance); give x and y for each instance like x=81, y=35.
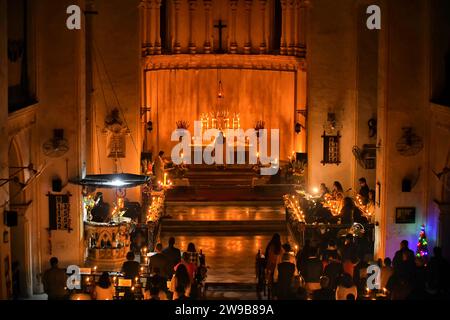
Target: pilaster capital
x=207, y=4
x=192, y=4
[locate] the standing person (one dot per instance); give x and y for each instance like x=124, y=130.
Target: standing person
x=104, y=290
x=190, y=266
x=54, y=281
x=312, y=271
x=192, y=253
x=302, y=255
x=333, y=270
x=386, y=272
x=284, y=274
x=180, y=279
x=160, y=261
x=130, y=268
x=273, y=251
x=438, y=278
x=349, y=255
x=173, y=255
x=404, y=260
x=159, y=167
x=363, y=190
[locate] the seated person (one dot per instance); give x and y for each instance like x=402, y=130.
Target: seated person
x=104, y=290
x=130, y=268
x=54, y=281
x=364, y=190
x=348, y=211
x=325, y=292
x=323, y=190
x=346, y=287
x=153, y=294
x=160, y=261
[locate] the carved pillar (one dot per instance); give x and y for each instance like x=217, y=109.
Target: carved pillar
x=176, y=44
x=150, y=32
x=192, y=45
x=283, y=44
x=296, y=26
x=248, y=14
x=143, y=25
x=263, y=46
x=302, y=26
x=291, y=29
x=157, y=49
x=207, y=44
x=233, y=44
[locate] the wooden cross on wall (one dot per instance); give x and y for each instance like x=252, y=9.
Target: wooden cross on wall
x=219, y=27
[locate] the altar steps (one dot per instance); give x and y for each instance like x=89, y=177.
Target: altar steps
x=220, y=176
x=228, y=227
x=226, y=193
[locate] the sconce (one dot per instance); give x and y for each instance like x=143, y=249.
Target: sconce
x=298, y=126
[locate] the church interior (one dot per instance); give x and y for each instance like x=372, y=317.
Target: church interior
x=172, y=149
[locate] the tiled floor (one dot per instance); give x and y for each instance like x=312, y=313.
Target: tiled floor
x=230, y=258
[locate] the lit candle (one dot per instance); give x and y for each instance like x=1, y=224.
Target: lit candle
x=165, y=178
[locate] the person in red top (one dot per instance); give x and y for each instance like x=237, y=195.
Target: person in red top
x=191, y=267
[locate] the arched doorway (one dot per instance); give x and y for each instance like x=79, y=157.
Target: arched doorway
x=19, y=233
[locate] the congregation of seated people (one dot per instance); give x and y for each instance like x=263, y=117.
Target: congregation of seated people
x=337, y=273
x=183, y=271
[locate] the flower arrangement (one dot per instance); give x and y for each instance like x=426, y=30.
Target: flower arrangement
x=182, y=124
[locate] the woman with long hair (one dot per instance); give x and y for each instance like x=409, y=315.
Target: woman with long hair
x=104, y=290
x=180, y=278
x=192, y=254
x=272, y=254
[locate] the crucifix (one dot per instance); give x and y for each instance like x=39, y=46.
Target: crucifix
x=220, y=26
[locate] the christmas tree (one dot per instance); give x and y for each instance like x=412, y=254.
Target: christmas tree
x=422, y=244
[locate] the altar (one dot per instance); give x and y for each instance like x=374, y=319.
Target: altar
x=229, y=153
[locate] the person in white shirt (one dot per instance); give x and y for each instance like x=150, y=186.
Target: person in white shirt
x=346, y=287
x=104, y=290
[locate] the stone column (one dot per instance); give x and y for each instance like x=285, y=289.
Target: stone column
x=157, y=48
x=296, y=27
x=143, y=25
x=150, y=32
x=176, y=42
x=207, y=44
x=248, y=14
x=233, y=44
x=192, y=45
x=263, y=46
x=291, y=29
x=283, y=44
x=302, y=26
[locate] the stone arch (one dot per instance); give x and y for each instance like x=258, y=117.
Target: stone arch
x=19, y=234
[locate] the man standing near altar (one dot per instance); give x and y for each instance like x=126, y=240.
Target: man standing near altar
x=158, y=167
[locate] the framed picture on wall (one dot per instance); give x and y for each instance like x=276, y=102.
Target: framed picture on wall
x=405, y=215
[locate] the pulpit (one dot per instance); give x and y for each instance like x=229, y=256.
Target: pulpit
x=107, y=244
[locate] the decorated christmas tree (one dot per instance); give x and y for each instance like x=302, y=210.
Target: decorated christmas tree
x=422, y=244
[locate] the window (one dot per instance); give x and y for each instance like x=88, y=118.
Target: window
x=21, y=63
